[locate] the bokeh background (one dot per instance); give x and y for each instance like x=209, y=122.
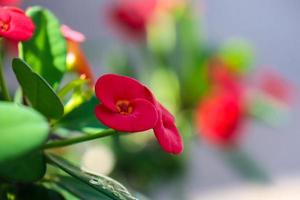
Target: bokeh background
x=272, y=27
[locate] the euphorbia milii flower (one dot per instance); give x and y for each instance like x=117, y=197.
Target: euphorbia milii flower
x=126, y=105
x=218, y=118
x=76, y=60
x=129, y=106
x=132, y=16
x=15, y=25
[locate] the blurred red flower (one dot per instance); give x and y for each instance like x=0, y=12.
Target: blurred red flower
x=276, y=86
x=128, y=106
x=132, y=16
x=76, y=59
x=10, y=2
x=218, y=117
x=15, y=25
x=223, y=78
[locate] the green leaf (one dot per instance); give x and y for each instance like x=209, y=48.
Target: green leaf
x=71, y=86
x=267, y=109
x=46, y=51
x=38, y=91
x=238, y=55
x=22, y=130
x=29, y=192
x=28, y=168
x=79, y=189
x=165, y=86
x=103, y=184
x=82, y=118
x=245, y=165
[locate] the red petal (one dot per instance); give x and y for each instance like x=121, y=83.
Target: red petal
x=166, y=113
x=111, y=88
x=72, y=35
x=143, y=117
x=167, y=134
x=21, y=27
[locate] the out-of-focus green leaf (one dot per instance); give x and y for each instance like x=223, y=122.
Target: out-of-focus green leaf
x=267, y=109
x=47, y=49
x=161, y=35
x=28, y=168
x=29, y=192
x=238, y=55
x=38, y=91
x=82, y=117
x=22, y=130
x=191, y=57
x=165, y=85
x=79, y=189
x=103, y=184
x=245, y=165
x=71, y=86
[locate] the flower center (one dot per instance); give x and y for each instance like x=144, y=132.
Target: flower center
x=124, y=107
x=3, y=26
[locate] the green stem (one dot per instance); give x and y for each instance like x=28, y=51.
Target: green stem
x=3, y=86
x=67, y=142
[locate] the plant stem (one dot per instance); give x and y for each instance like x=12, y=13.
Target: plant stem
x=3, y=86
x=67, y=142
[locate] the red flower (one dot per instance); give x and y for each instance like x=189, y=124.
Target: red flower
x=15, y=25
x=128, y=106
x=76, y=60
x=132, y=16
x=10, y=2
x=223, y=78
x=218, y=118
x=276, y=86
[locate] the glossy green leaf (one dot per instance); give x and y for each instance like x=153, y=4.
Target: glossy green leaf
x=38, y=91
x=79, y=189
x=103, y=184
x=22, y=130
x=28, y=168
x=82, y=117
x=46, y=51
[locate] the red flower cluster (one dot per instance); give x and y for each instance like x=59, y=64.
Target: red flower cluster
x=128, y=106
x=132, y=16
x=218, y=118
x=15, y=25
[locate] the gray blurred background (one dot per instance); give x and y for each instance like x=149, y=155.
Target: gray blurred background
x=272, y=26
